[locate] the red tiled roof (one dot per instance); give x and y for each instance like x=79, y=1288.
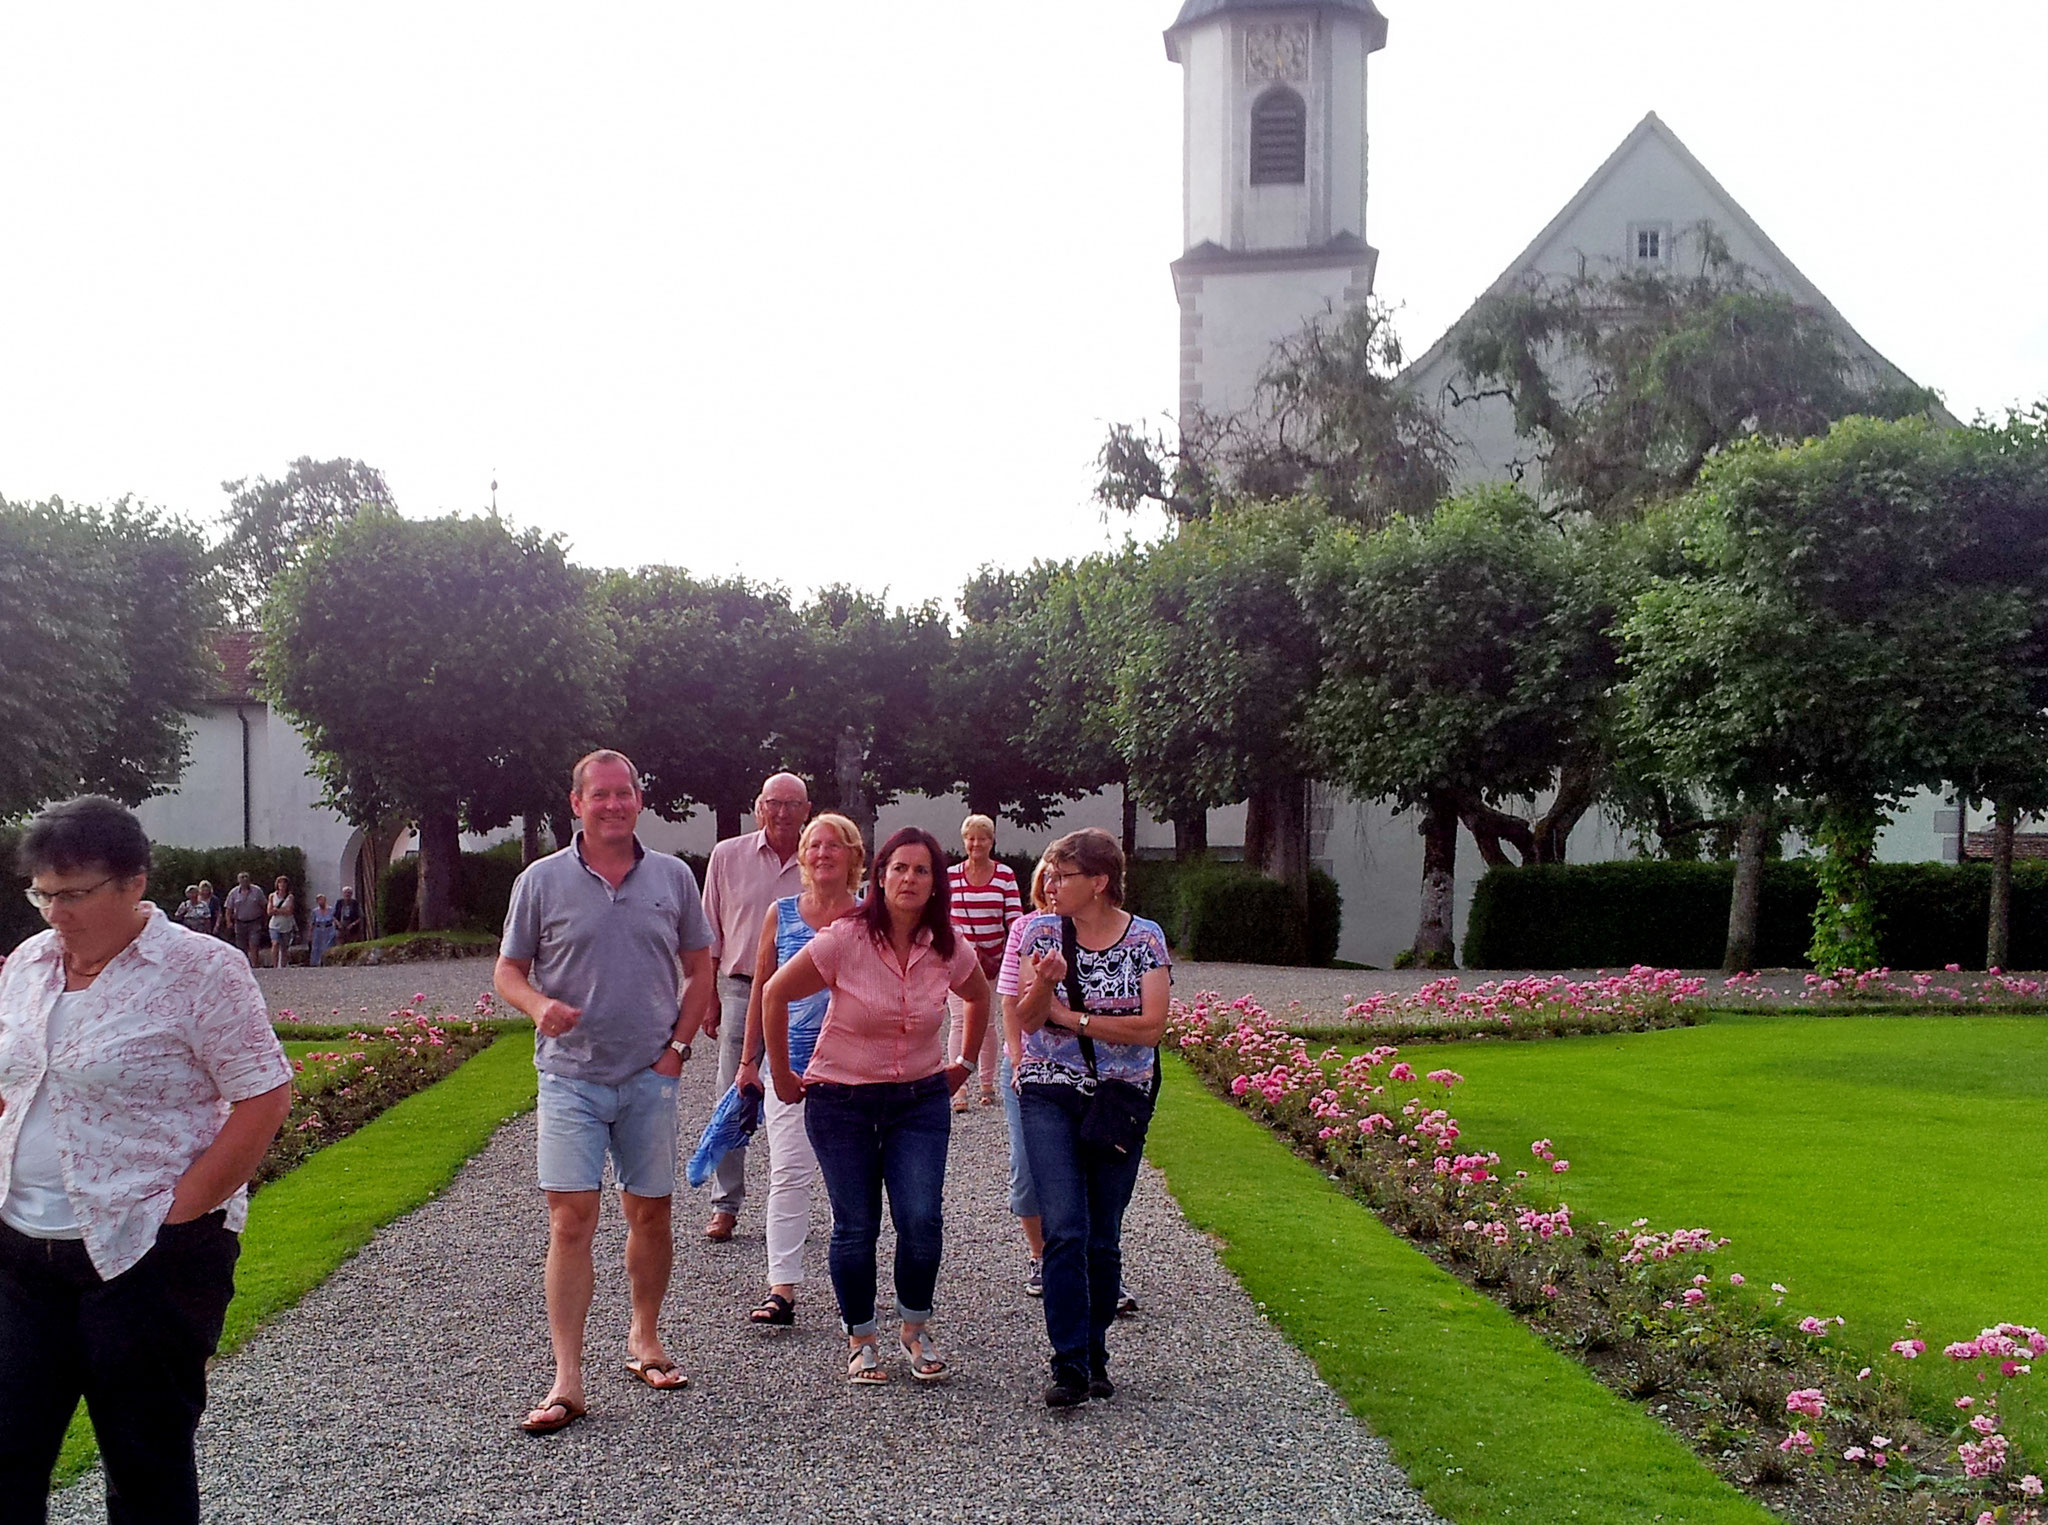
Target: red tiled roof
x=237, y=651
x=2025, y=844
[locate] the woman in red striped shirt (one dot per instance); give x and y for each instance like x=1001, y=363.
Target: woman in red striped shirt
x=984, y=904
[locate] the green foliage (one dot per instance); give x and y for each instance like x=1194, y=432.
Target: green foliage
x=1844, y=917
x=268, y=524
x=18, y=919
x=1220, y=912
x=1328, y=421
x=1466, y=653
x=414, y=948
x=1626, y=382
x=1859, y=615
x=869, y=668
x=104, y=614
x=1079, y=628
x=476, y=704
x=987, y=695
x=1472, y=1403
x=1675, y=915
x=172, y=868
x=1218, y=660
x=708, y=671
x=483, y=891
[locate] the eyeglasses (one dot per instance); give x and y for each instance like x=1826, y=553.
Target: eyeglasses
x=781, y=807
x=1055, y=880
x=42, y=900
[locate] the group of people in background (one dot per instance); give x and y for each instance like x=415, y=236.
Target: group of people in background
x=254, y=921
x=867, y=1005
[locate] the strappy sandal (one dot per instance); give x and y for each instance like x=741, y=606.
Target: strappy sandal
x=774, y=1309
x=864, y=1365
x=988, y=1096
x=926, y=1364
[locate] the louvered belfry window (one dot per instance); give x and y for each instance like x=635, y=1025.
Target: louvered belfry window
x=1279, y=138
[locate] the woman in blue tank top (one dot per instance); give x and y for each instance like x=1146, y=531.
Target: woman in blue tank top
x=831, y=857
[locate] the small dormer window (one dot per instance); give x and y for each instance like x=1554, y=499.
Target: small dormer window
x=1279, y=138
x=1649, y=243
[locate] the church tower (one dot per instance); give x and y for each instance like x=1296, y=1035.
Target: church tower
x=1273, y=181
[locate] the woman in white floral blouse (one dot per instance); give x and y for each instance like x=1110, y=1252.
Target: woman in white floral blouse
x=140, y=1084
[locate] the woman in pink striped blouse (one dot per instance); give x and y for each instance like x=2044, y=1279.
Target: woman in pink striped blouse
x=985, y=902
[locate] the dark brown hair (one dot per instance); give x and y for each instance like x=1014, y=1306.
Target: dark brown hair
x=938, y=911
x=89, y=832
x=1091, y=851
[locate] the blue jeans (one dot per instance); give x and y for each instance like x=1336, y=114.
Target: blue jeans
x=867, y=1136
x=1023, y=1195
x=1082, y=1194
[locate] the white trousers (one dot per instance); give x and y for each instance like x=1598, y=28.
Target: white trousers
x=791, y=1169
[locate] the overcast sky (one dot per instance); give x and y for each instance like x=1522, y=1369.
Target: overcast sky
x=823, y=291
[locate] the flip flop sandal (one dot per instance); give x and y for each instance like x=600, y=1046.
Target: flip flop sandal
x=774, y=1309
x=864, y=1366
x=926, y=1364
x=571, y=1412
x=647, y=1371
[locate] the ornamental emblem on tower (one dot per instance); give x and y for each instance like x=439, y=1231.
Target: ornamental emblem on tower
x=1276, y=52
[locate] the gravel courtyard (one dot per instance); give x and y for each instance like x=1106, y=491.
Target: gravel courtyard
x=392, y=1392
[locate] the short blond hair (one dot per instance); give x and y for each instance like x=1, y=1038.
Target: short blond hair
x=589, y=760
x=980, y=823
x=849, y=836
x=1040, y=901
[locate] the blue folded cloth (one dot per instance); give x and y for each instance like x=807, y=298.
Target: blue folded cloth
x=733, y=1122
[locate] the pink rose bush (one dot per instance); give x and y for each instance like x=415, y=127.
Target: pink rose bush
x=1783, y=1409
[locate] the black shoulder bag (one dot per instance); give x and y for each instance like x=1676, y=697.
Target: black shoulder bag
x=1119, y=1112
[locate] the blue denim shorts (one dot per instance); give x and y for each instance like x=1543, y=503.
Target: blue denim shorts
x=635, y=1123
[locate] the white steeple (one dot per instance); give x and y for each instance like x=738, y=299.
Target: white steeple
x=1274, y=180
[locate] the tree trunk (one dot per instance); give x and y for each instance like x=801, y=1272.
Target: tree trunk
x=561, y=826
x=1739, y=956
x=1191, y=834
x=1844, y=915
x=849, y=766
x=1433, y=944
x=1578, y=786
x=375, y=857
x=1276, y=835
x=1998, y=937
x=529, y=837
x=440, y=862
x=728, y=820
x=1130, y=822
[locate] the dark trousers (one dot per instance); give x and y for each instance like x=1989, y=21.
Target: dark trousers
x=134, y=1347
x=865, y=1137
x=1082, y=1194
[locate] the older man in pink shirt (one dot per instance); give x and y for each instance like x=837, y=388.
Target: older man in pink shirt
x=745, y=877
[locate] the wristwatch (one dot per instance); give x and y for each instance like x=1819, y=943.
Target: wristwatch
x=1081, y=1023
x=681, y=1050
x=962, y=1060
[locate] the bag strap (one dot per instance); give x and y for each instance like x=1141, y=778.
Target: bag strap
x=1077, y=1002
x=1077, y=997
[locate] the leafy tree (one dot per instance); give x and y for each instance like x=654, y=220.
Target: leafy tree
x=104, y=615
x=1848, y=631
x=862, y=695
x=1464, y=661
x=269, y=523
x=1217, y=665
x=986, y=695
x=1328, y=420
x=441, y=668
x=1626, y=382
x=708, y=668
x=1080, y=630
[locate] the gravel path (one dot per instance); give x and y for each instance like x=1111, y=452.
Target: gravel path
x=392, y=1392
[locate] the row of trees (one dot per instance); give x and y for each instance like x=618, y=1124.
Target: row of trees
x=1678, y=613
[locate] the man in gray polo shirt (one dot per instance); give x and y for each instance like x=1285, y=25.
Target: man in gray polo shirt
x=592, y=942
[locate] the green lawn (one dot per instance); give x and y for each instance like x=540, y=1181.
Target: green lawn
x=1883, y=1169
x=1490, y=1423
x=305, y=1224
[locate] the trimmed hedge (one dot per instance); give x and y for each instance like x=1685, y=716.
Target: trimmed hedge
x=1226, y=913
x=171, y=869
x=483, y=890
x=1675, y=915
